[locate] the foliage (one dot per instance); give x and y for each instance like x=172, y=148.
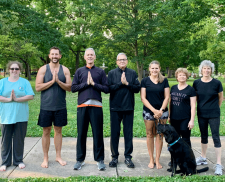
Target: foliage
x=148, y=30
x=30, y=25
x=23, y=51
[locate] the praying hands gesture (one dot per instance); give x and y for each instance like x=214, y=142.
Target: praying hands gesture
x=12, y=97
x=123, y=79
x=90, y=80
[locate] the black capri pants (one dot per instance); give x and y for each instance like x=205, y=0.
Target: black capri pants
x=181, y=127
x=214, y=124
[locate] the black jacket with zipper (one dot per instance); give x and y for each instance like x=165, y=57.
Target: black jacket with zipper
x=122, y=96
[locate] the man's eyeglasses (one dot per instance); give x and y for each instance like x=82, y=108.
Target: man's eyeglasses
x=14, y=69
x=120, y=60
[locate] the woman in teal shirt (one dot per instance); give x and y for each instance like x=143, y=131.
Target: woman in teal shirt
x=14, y=113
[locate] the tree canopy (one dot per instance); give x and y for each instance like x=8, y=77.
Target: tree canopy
x=177, y=33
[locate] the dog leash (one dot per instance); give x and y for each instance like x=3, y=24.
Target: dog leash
x=157, y=128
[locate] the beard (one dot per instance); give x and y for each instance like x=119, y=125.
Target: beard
x=54, y=60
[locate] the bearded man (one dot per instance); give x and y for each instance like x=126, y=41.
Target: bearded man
x=53, y=80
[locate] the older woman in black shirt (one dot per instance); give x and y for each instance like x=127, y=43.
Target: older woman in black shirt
x=209, y=99
x=182, y=106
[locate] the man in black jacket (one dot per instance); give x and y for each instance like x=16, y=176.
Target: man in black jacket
x=123, y=83
x=89, y=81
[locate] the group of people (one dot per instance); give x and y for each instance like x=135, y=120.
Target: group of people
x=53, y=80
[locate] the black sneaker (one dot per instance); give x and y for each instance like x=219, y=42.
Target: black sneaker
x=129, y=163
x=113, y=163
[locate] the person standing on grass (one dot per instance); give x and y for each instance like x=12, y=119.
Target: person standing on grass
x=53, y=80
x=15, y=92
x=209, y=100
x=123, y=83
x=89, y=81
x=155, y=94
x=182, y=106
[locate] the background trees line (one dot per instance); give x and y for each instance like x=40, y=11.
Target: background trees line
x=175, y=32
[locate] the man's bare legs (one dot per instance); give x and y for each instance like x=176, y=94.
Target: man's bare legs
x=150, y=142
x=58, y=144
x=45, y=145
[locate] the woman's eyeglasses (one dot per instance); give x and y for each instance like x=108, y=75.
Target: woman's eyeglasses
x=14, y=69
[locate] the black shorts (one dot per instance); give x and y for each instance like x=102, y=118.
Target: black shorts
x=59, y=118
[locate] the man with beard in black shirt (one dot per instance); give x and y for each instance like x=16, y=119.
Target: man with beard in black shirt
x=123, y=83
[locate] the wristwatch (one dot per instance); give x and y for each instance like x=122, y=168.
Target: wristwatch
x=161, y=109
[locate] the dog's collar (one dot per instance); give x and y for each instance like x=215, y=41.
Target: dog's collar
x=174, y=142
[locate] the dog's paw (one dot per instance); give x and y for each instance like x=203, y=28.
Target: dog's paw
x=169, y=169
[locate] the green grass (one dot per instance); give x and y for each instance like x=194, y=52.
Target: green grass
x=193, y=178
x=71, y=129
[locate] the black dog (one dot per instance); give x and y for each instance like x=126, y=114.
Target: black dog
x=181, y=153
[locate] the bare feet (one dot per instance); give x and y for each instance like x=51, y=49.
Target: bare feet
x=3, y=168
x=44, y=164
x=151, y=164
x=22, y=165
x=60, y=161
x=158, y=165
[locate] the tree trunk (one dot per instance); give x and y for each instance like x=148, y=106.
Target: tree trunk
x=77, y=60
x=216, y=67
x=140, y=70
x=169, y=73
x=25, y=70
x=28, y=71
x=4, y=70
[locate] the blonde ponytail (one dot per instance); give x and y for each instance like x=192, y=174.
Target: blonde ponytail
x=160, y=76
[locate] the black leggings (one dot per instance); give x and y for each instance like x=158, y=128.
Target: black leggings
x=214, y=124
x=181, y=127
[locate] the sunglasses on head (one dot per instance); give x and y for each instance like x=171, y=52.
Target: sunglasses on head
x=14, y=69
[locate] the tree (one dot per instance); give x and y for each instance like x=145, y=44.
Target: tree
x=30, y=25
x=144, y=29
x=19, y=50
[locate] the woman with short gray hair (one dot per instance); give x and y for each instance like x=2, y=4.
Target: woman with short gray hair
x=209, y=99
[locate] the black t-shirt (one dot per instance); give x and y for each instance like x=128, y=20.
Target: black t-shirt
x=180, y=107
x=207, y=98
x=154, y=93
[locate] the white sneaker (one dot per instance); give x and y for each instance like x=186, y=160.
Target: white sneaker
x=201, y=161
x=218, y=169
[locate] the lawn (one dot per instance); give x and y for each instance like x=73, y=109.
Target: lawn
x=194, y=178
x=71, y=129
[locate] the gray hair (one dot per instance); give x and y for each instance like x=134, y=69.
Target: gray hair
x=121, y=54
x=89, y=49
x=206, y=63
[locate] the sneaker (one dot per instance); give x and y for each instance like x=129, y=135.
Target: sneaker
x=113, y=163
x=78, y=165
x=129, y=163
x=201, y=161
x=218, y=169
x=101, y=166
x=169, y=164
